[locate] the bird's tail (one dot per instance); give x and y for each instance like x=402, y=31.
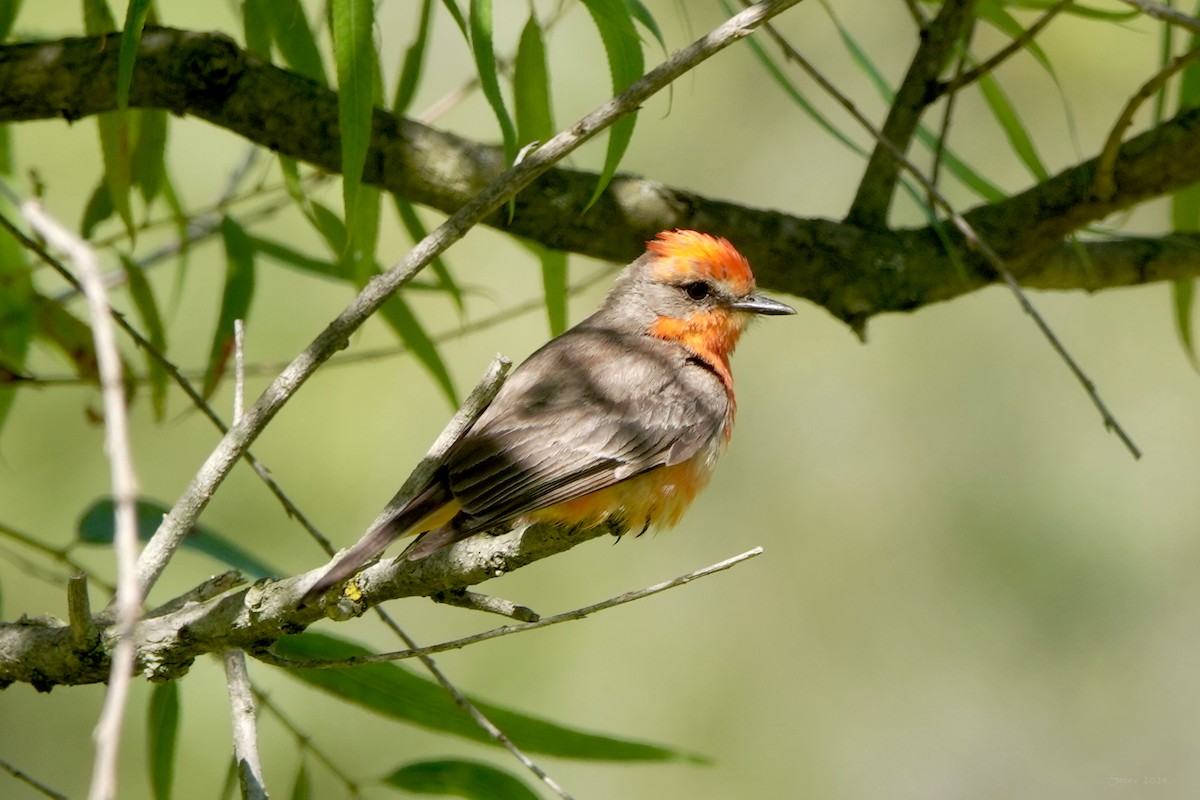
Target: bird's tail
x=423, y=512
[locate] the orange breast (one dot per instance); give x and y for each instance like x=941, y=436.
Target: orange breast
x=653, y=499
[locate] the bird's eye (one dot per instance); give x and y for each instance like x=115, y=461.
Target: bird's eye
x=697, y=290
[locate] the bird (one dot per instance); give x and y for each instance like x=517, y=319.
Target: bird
x=617, y=420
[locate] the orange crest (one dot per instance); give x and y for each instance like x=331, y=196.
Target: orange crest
x=684, y=255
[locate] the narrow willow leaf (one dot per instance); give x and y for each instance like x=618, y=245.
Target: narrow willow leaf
x=69, y=334
x=99, y=208
x=354, y=51
x=993, y=13
x=8, y=15
x=256, y=27
x=792, y=91
x=626, y=63
x=131, y=37
x=953, y=164
x=114, y=148
x=642, y=14
x=396, y=692
x=1185, y=218
x=365, y=234
x=1078, y=9
x=489, y=76
x=531, y=87
x=17, y=318
x=473, y=780
x=98, y=18
x=235, y=300
x=96, y=527
x=295, y=40
x=147, y=309
x=149, y=162
x=302, y=786
x=1010, y=122
x=456, y=14
x=401, y=319
x=414, y=59
x=417, y=231
x=162, y=730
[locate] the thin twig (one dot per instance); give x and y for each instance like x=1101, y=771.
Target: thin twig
x=245, y=726
x=1167, y=14
x=303, y=740
x=57, y=554
x=31, y=782
x=182, y=382
x=507, y=630
x=196, y=496
x=124, y=488
x=480, y=718
x=242, y=715
x=1003, y=54
x=969, y=234
x=1103, y=185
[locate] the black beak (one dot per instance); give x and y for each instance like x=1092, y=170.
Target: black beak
x=757, y=304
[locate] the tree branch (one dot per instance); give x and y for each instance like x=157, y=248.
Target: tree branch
x=854, y=272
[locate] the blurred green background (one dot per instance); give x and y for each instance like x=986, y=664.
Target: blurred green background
x=969, y=588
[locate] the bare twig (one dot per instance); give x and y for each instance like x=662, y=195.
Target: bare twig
x=1104, y=186
x=480, y=718
x=303, y=740
x=490, y=604
x=245, y=726
x=166, y=540
x=969, y=234
x=124, y=488
x=84, y=634
x=1003, y=54
x=243, y=717
x=31, y=782
x=507, y=630
x=1167, y=14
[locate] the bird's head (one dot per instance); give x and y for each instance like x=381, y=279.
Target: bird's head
x=694, y=289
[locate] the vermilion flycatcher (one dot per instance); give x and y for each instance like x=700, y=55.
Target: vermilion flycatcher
x=619, y=419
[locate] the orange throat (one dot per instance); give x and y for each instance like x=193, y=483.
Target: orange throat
x=709, y=335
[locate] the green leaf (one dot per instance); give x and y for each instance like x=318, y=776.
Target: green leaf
x=235, y=299
x=96, y=527
x=401, y=319
x=295, y=40
x=396, y=692
x=147, y=309
x=256, y=27
x=162, y=729
x=992, y=12
x=99, y=208
x=798, y=97
x=1183, y=293
x=71, y=335
x=354, y=51
x=473, y=780
x=17, y=317
x=457, y=15
x=302, y=786
x=642, y=14
x=114, y=147
x=97, y=18
x=955, y=165
x=531, y=87
x=149, y=165
x=365, y=234
x=414, y=58
x=417, y=231
x=131, y=36
x=614, y=21
x=1014, y=129
x=183, y=234
x=8, y=15
x=489, y=75
x=1078, y=9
